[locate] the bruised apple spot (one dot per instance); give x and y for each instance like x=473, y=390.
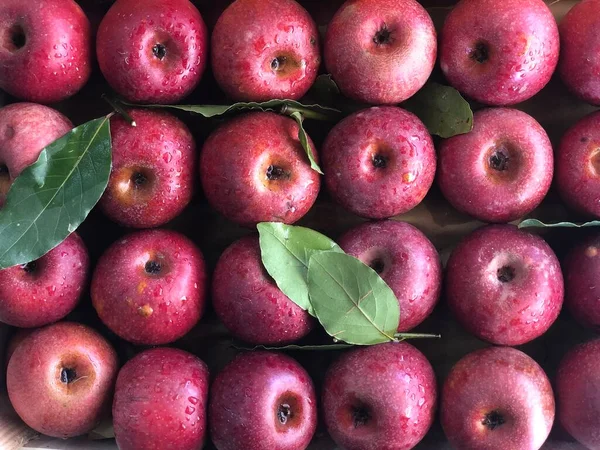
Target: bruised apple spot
x=145, y=311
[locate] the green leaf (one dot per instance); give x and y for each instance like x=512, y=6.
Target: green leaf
x=297, y=116
x=405, y=336
x=51, y=198
x=442, y=109
x=285, y=252
x=534, y=223
x=351, y=300
x=296, y=347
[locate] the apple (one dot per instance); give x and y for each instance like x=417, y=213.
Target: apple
x=253, y=169
x=15, y=340
x=379, y=162
x=248, y=301
x=499, y=53
x=578, y=393
x=380, y=397
x=504, y=285
x=262, y=401
x=153, y=167
x=149, y=287
x=497, y=397
x=501, y=170
x=60, y=379
x=25, y=129
x=265, y=49
x=405, y=259
x=380, y=51
x=160, y=401
x=45, y=50
x=47, y=289
x=152, y=52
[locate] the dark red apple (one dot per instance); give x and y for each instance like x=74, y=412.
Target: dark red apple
x=499, y=53
x=405, y=259
x=153, y=169
x=60, y=379
x=253, y=169
x=504, y=285
x=160, y=401
x=248, y=301
x=262, y=401
x=497, y=398
x=379, y=162
x=154, y=51
x=501, y=170
x=149, y=287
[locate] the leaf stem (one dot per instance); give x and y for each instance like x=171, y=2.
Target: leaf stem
x=403, y=336
x=307, y=113
x=119, y=109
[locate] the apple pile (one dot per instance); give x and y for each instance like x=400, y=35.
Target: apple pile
x=149, y=291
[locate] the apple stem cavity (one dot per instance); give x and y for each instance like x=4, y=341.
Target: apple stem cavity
x=276, y=173
x=499, y=161
x=3, y=170
x=493, y=420
x=379, y=161
x=480, y=52
x=153, y=267
x=360, y=415
x=17, y=37
x=278, y=63
x=377, y=265
x=284, y=413
x=30, y=267
x=139, y=179
x=506, y=274
x=67, y=375
x=383, y=36
x=160, y=51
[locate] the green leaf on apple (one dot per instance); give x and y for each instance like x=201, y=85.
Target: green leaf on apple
x=51, y=198
x=535, y=223
x=302, y=136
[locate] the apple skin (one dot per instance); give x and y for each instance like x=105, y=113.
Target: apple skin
x=248, y=301
x=160, y=401
x=497, y=397
x=149, y=287
x=47, y=289
x=62, y=351
x=253, y=169
x=380, y=397
x=262, y=401
x=405, y=259
x=504, y=285
x=499, y=171
x=25, y=129
x=265, y=49
x=15, y=340
x=380, y=51
x=379, y=162
x=154, y=164
x=499, y=53
x=154, y=52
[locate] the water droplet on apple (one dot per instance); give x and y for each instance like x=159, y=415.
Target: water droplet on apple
x=193, y=400
x=190, y=410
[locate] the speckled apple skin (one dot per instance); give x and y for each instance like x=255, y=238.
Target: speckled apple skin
x=504, y=313
x=411, y=265
x=502, y=380
x=397, y=385
x=50, y=292
x=234, y=163
x=124, y=45
x=249, y=35
x=162, y=147
x=523, y=46
x=379, y=193
x=160, y=401
x=578, y=393
x=144, y=308
x=248, y=301
x=472, y=186
x=34, y=384
x=25, y=129
x=380, y=73
x=244, y=401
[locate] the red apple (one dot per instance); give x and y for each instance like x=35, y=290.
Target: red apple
x=160, y=401
x=45, y=49
x=152, y=175
x=248, y=301
x=380, y=51
x=380, y=397
x=501, y=170
x=499, y=53
x=47, y=289
x=154, y=51
x=60, y=379
x=504, y=285
x=379, y=162
x=265, y=49
x=405, y=259
x=149, y=287
x=262, y=401
x=253, y=169
x=25, y=129
x=497, y=398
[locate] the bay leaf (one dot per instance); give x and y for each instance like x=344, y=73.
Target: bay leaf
x=535, y=223
x=303, y=137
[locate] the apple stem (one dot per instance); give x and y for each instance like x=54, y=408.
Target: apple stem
x=305, y=112
x=402, y=336
x=119, y=109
